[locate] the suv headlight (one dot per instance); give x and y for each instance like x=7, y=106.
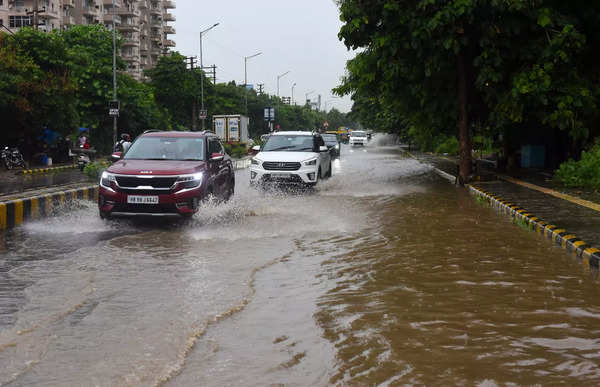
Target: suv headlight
x=190, y=181
x=255, y=161
x=311, y=162
x=106, y=179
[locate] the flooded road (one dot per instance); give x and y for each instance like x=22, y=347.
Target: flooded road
x=383, y=275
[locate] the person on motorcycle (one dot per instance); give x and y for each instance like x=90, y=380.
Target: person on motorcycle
x=123, y=144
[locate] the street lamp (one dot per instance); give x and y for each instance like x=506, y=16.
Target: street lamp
x=246, y=76
x=307, y=94
x=293, y=102
x=114, y=43
x=278, y=78
x=201, y=72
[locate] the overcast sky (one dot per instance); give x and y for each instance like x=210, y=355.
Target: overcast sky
x=295, y=35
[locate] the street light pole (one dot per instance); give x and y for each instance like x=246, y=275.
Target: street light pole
x=306, y=96
x=246, y=76
x=293, y=102
x=114, y=38
x=278, y=78
x=202, y=71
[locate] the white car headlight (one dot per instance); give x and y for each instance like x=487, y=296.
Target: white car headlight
x=190, y=181
x=311, y=162
x=106, y=179
x=337, y=146
x=255, y=161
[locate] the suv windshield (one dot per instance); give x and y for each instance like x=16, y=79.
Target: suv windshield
x=292, y=143
x=167, y=148
x=358, y=134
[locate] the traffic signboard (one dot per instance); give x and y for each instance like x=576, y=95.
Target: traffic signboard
x=203, y=114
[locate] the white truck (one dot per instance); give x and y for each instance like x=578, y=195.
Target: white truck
x=231, y=127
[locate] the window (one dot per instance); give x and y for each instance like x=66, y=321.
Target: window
x=214, y=146
x=1, y=3
x=19, y=21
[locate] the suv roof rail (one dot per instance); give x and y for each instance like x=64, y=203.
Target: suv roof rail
x=151, y=131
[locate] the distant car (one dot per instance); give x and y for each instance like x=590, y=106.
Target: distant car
x=358, y=137
x=291, y=158
x=333, y=143
x=166, y=173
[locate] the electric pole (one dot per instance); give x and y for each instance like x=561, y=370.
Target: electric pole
x=194, y=103
x=260, y=87
x=114, y=39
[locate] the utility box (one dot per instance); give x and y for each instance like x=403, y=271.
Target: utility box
x=533, y=156
x=231, y=128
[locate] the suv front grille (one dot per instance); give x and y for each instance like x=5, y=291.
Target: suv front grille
x=154, y=182
x=280, y=166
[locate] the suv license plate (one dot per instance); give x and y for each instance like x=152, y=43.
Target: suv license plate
x=136, y=199
x=281, y=176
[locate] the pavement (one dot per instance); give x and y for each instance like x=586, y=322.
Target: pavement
x=533, y=192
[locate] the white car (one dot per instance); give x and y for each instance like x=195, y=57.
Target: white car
x=291, y=157
x=358, y=137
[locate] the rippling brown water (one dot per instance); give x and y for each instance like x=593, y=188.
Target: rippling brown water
x=385, y=275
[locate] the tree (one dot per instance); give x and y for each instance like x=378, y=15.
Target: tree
x=470, y=64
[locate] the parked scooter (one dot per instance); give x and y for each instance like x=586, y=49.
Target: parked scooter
x=12, y=158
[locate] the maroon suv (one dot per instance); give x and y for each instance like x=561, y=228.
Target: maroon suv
x=166, y=173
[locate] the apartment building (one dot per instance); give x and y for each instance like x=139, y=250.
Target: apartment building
x=143, y=24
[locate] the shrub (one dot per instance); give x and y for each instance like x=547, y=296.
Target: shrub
x=449, y=145
x=584, y=173
x=93, y=170
x=236, y=150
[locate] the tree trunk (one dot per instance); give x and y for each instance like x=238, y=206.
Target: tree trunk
x=463, y=121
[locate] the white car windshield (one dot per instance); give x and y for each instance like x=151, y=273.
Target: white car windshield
x=291, y=143
x=358, y=134
x=167, y=148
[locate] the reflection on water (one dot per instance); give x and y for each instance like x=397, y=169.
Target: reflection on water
x=383, y=274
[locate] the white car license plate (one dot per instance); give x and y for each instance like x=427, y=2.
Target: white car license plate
x=282, y=176
x=138, y=199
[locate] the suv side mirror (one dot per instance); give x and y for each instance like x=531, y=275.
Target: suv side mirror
x=217, y=157
x=116, y=156
x=323, y=148
x=256, y=148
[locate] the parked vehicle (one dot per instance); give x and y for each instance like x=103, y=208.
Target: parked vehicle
x=12, y=158
x=166, y=174
x=358, y=137
x=333, y=143
x=291, y=158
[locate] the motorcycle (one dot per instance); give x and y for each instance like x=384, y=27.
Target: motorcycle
x=83, y=156
x=12, y=158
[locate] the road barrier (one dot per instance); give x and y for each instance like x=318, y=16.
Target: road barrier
x=45, y=170
x=14, y=212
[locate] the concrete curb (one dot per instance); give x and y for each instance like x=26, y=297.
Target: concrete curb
x=568, y=241
x=45, y=170
x=13, y=213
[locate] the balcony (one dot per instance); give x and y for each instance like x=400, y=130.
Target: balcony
x=109, y=3
x=155, y=11
x=144, y=47
x=68, y=4
x=68, y=20
x=169, y=43
x=169, y=30
x=129, y=27
x=48, y=14
x=90, y=11
x=169, y=17
x=169, y=4
x=142, y=4
x=128, y=12
x=108, y=18
x=131, y=43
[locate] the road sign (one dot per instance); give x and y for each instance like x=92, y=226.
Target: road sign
x=203, y=114
x=113, y=108
x=326, y=124
x=269, y=114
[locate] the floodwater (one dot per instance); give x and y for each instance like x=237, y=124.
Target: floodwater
x=383, y=275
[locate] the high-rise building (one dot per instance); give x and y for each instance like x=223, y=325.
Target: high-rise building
x=143, y=24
